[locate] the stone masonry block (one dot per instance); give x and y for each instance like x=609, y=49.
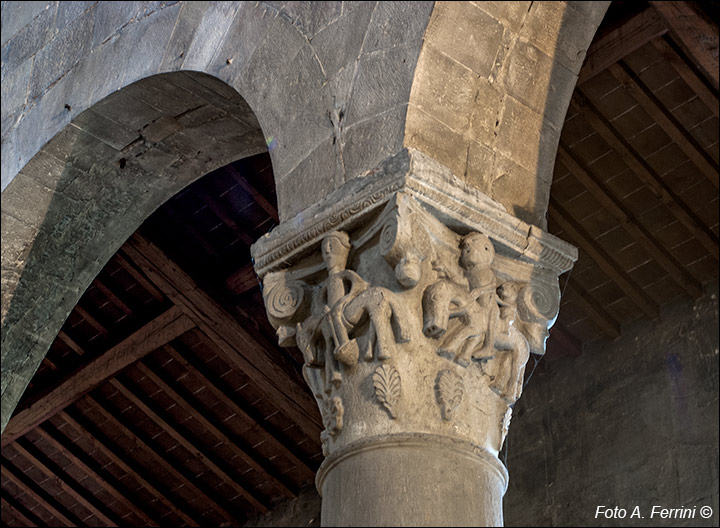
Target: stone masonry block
x=510, y=14
x=61, y=54
x=465, y=33
x=29, y=39
x=383, y=81
x=17, y=14
x=444, y=88
x=397, y=24
x=339, y=43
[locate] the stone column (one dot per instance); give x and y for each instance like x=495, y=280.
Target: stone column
x=416, y=302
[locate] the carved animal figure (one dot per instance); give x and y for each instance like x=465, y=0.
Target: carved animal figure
x=477, y=309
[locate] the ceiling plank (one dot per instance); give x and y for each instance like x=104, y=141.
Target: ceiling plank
x=18, y=512
x=237, y=346
x=82, y=312
x=249, y=188
x=71, y=489
x=219, y=210
x=69, y=453
x=17, y=478
x=639, y=166
x=70, y=342
x=605, y=262
x=121, y=462
x=107, y=292
x=688, y=73
x=188, y=444
x=239, y=412
x=664, y=118
x=610, y=48
x=213, y=429
x=159, y=459
x=694, y=33
x=614, y=207
x=153, y=335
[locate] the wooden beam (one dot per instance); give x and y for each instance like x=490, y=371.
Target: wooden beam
x=82, y=312
x=240, y=414
x=242, y=280
x=688, y=73
x=605, y=262
x=615, y=208
x=123, y=464
x=217, y=208
x=640, y=167
x=594, y=310
x=26, y=517
x=234, y=343
x=20, y=480
x=71, y=455
x=214, y=430
x=73, y=490
x=187, y=444
x=694, y=33
x=114, y=299
x=153, y=335
x=160, y=460
x=610, y=48
x=139, y=277
x=70, y=342
x=248, y=187
x=665, y=120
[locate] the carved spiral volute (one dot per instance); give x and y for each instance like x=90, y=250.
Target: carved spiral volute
x=283, y=297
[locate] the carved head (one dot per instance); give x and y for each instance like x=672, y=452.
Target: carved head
x=476, y=250
x=335, y=250
x=508, y=291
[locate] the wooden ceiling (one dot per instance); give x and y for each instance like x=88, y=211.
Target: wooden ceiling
x=165, y=399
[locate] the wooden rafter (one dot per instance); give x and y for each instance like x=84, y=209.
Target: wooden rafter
x=107, y=292
x=219, y=210
x=640, y=167
x=242, y=280
x=605, y=262
x=187, y=444
x=19, y=512
x=240, y=414
x=665, y=120
x=156, y=333
x=215, y=430
x=249, y=188
x=74, y=490
x=139, y=277
x=615, y=208
x=38, y=495
x=71, y=454
x=237, y=346
x=124, y=465
x=688, y=74
x=694, y=33
x=160, y=459
x=610, y=48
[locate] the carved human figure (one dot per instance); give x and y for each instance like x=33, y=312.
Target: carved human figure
x=512, y=350
x=477, y=309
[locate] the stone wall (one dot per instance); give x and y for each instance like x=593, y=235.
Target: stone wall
x=634, y=422
x=629, y=423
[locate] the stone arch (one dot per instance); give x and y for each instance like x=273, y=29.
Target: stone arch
x=491, y=89
x=90, y=187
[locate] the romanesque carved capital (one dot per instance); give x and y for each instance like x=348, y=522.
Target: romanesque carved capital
x=416, y=305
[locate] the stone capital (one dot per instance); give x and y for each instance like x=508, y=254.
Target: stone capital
x=416, y=302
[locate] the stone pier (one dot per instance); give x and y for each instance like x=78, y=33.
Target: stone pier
x=416, y=301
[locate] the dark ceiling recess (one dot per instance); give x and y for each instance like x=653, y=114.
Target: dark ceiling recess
x=165, y=399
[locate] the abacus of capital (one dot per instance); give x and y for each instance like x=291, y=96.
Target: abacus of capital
x=416, y=301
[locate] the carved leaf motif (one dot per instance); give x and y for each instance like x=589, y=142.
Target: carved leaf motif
x=450, y=390
x=386, y=381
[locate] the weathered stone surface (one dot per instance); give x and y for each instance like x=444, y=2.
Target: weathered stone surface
x=647, y=439
x=30, y=37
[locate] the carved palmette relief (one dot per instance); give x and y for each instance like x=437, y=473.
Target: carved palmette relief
x=386, y=381
x=450, y=389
